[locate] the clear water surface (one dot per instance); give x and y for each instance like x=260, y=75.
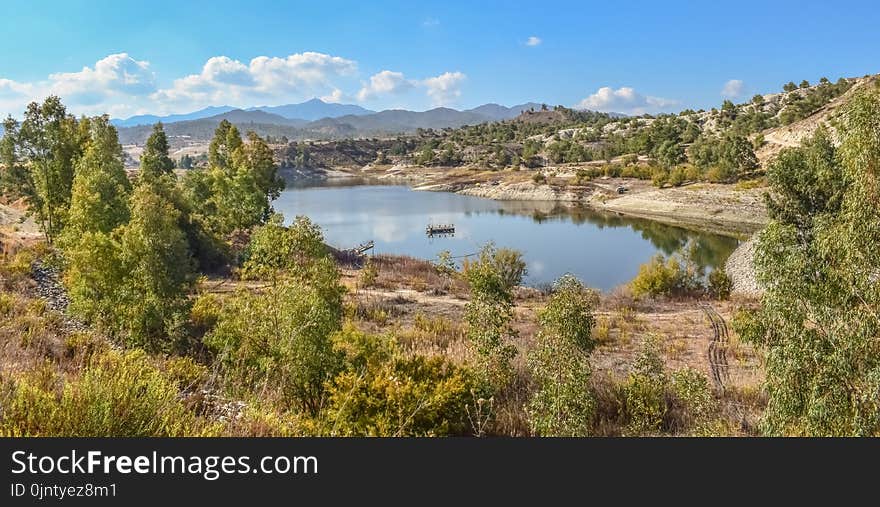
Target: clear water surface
x=602, y=249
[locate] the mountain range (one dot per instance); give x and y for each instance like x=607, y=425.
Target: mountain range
x=312, y=119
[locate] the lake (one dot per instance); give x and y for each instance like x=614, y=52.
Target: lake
x=603, y=249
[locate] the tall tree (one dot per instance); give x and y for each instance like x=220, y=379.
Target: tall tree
x=817, y=260
x=159, y=268
x=155, y=160
x=50, y=141
x=226, y=140
x=99, y=198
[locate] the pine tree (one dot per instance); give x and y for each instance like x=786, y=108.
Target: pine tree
x=155, y=161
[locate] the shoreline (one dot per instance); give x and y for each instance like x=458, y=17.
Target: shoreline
x=707, y=207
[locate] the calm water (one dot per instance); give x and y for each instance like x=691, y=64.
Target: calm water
x=602, y=249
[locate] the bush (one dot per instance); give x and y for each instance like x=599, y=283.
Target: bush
x=645, y=392
x=282, y=338
x=120, y=394
x=658, y=277
x=274, y=248
x=385, y=393
x=369, y=274
x=663, y=276
x=720, y=284
x=539, y=179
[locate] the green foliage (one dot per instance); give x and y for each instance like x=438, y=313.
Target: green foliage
x=134, y=281
x=720, y=284
x=120, y=394
x=662, y=276
x=236, y=190
x=817, y=262
x=155, y=161
x=275, y=249
x=645, y=391
x=491, y=279
x=159, y=269
x=731, y=156
x=387, y=393
x=808, y=181
x=99, y=200
x=539, y=178
x=48, y=142
x=369, y=273
x=282, y=338
x=562, y=405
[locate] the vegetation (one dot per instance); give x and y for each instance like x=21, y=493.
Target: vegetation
x=817, y=260
x=291, y=351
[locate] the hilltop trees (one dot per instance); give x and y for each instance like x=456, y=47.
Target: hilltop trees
x=728, y=157
x=817, y=261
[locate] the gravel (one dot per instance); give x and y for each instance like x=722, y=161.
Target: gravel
x=49, y=289
x=740, y=269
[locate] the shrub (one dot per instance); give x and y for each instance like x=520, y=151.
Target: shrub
x=645, y=391
x=384, y=393
x=282, y=338
x=662, y=276
x=720, y=284
x=369, y=274
x=274, y=248
x=539, y=179
x=120, y=394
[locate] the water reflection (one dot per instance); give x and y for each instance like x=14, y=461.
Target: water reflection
x=603, y=249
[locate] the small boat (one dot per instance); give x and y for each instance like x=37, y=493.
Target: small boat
x=432, y=229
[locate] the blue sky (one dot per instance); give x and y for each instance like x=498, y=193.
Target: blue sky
x=176, y=56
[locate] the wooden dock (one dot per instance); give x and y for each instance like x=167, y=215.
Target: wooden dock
x=432, y=230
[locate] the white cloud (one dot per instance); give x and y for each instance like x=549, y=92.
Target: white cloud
x=115, y=73
x=104, y=88
x=121, y=85
x=444, y=89
x=384, y=83
x=733, y=89
x=533, y=41
x=430, y=22
x=625, y=100
x=334, y=97
x=224, y=80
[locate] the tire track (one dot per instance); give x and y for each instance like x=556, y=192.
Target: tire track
x=717, y=353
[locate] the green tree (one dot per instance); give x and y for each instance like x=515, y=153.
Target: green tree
x=14, y=174
x=159, y=271
x=275, y=249
x=237, y=189
x=808, y=181
x=186, y=162
x=155, y=160
x=817, y=262
x=49, y=142
x=563, y=405
x=227, y=139
x=99, y=200
x=489, y=312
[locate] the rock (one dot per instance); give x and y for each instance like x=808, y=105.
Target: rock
x=741, y=270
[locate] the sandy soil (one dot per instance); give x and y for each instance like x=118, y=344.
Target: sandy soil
x=16, y=228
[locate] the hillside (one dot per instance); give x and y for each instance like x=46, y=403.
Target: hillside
x=314, y=109
x=328, y=121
